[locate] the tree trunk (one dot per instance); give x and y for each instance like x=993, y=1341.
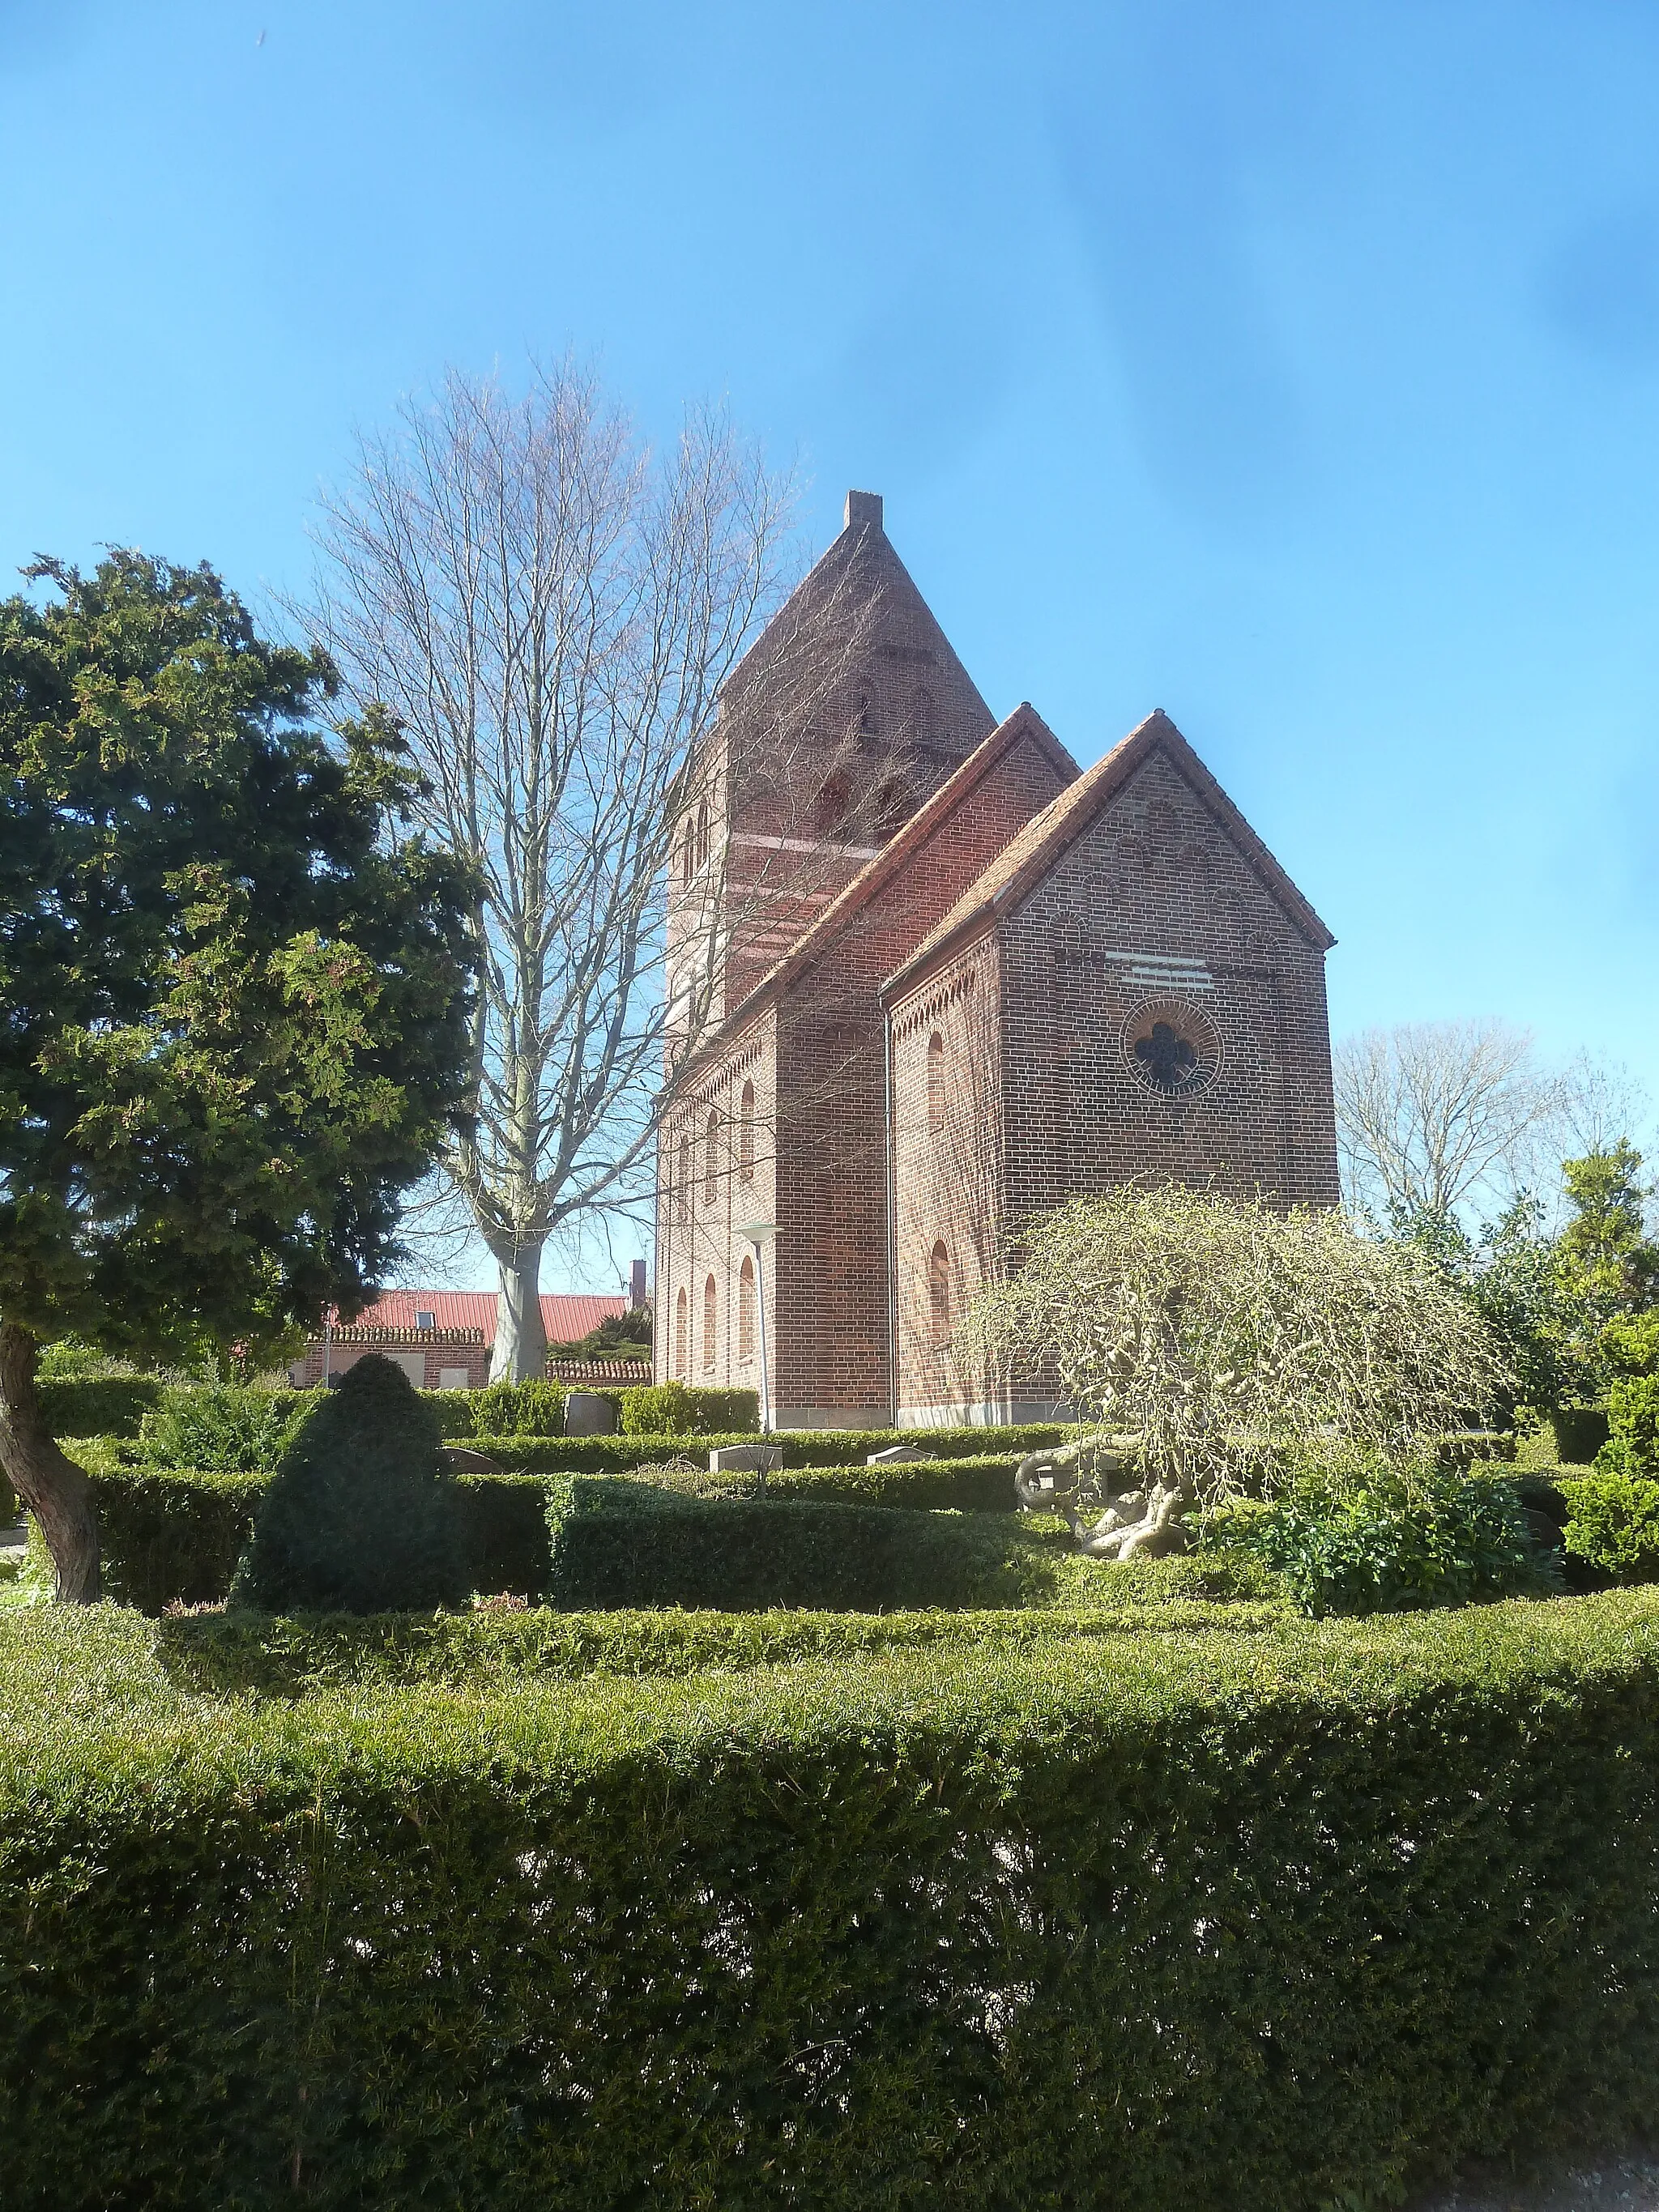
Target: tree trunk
x=520, y=1353
x=55, y=1490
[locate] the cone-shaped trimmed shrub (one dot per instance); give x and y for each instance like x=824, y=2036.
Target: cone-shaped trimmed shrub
x=362, y=1515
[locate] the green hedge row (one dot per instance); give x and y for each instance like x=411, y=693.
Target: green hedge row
x=177, y=1536
x=238, y=1653
x=620, y=1543
x=952, y=1486
x=99, y=1405
x=840, y=1449
x=1238, y=1923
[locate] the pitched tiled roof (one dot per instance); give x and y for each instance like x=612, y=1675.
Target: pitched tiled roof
x=1023, y=723
x=567, y=1316
x=1029, y=857
x=860, y=579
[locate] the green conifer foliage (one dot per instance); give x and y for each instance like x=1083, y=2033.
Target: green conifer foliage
x=363, y=1514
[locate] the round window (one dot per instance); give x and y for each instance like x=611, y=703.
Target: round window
x=1171, y=1047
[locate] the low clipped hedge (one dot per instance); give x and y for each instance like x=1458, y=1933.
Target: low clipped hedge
x=1233, y=1923
x=237, y=1653
x=619, y=1543
x=613, y=1542
x=176, y=1536
x=99, y=1405
x=952, y=1486
x=839, y=1450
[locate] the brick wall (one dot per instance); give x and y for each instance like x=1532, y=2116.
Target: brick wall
x=433, y=1360
x=947, y=1116
x=819, y=1056
x=1153, y=911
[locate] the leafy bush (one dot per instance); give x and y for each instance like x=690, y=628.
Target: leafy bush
x=101, y=1405
x=362, y=1515
x=669, y=1409
x=535, y=1408
x=1630, y=1345
x=1235, y=1924
x=1633, y=1422
x=223, y=1430
x=1366, y=1536
x=1613, y=1524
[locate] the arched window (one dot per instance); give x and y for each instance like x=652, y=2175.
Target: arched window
x=939, y=1292
x=702, y=835
x=936, y=1081
x=746, y=1309
x=687, y=854
x=682, y=1322
x=709, y=1299
x=684, y=1192
x=711, y=1158
x=746, y=1133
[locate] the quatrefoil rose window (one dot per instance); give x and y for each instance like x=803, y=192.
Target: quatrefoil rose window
x=1171, y=1047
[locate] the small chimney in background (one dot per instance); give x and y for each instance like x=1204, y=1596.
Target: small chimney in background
x=864, y=510
x=637, y=1287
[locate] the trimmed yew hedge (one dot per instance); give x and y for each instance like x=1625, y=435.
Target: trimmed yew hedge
x=844, y=1450
x=177, y=1534
x=1239, y=1924
x=230, y=1654
x=631, y=1544
x=99, y=1405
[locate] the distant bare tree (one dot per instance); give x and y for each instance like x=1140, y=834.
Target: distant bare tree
x=1432, y=1114
x=1600, y=1104
x=549, y=611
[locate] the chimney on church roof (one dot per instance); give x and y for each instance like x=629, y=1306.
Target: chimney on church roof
x=864, y=510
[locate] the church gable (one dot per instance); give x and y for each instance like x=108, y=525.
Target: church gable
x=1163, y=994
x=1213, y=823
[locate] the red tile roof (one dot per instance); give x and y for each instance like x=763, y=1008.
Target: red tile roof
x=567, y=1316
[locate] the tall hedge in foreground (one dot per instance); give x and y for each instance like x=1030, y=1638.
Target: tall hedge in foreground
x=362, y=1515
x=1226, y=1924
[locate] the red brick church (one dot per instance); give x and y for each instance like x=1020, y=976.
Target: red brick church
x=945, y=979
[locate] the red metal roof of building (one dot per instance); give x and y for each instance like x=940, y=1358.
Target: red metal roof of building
x=567, y=1316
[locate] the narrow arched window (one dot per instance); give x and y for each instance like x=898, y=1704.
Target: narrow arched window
x=936, y=1081
x=710, y=1297
x=746, y=1133
x=681, y=1322
x=702, y=835
x=939, y=1292
x=687, y=855
x=684, y=1193
x=746, y=1310
x=711, y=1158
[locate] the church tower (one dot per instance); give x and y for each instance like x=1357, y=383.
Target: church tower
x=850, y=711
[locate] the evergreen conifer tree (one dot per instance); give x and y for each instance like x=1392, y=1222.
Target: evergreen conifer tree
x=363, y=1516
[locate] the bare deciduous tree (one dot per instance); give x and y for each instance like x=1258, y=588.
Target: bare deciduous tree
x=549, y=611
x=1205, y=1335
x=1432, y=1114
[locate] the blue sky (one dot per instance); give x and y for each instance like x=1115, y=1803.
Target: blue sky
x=1295, y=368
